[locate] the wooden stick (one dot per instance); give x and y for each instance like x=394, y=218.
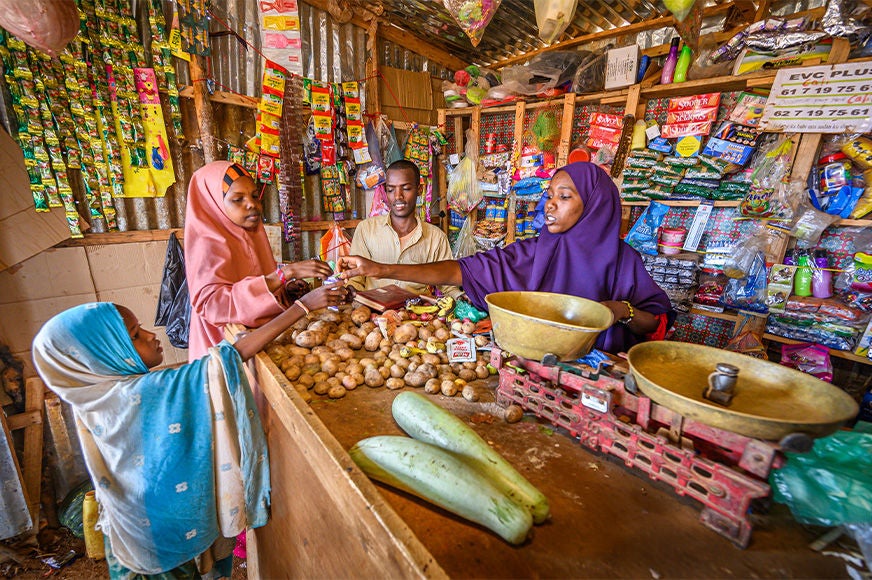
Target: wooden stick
x=203, y=106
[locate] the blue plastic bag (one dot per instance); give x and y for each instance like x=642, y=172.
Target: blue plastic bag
x=643, y=234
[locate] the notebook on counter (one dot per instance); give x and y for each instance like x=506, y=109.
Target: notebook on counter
x=388, y=297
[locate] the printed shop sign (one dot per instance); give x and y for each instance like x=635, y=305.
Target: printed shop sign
x=821, y=99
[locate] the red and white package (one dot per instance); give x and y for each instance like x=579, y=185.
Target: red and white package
x=685, y=129
x=694, y=102
x=692, y=115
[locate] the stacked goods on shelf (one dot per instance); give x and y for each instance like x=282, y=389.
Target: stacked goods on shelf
x=826, y=321
x=676, y=275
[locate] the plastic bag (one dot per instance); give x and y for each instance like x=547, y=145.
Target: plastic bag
x=173, y=303
x=464, y=245
x=553, y=16
x=379, y=202
x=768, y=171
x=47, y=25
x=473, y=16
x=643, y=235
x=813, y=359
x=590, y=74
x=748, y=293
x=679, y=8
x=387, y=142
x=543, y=72
x=830, y=485
x=464, y=193
x=809, y=224
x=334, y=244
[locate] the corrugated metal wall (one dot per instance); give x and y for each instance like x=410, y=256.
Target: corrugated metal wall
x=331, y=52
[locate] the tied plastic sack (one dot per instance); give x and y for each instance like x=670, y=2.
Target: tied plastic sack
x=464, y=191
x=553, y=16
x=334, y=244
x=173, y=303
x=679, y=8
x=473, y=16
x=47, y=25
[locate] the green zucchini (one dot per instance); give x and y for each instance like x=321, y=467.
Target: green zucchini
x=428, y=422
x=442, y=478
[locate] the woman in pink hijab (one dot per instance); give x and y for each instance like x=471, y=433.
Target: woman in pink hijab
x=232, y=275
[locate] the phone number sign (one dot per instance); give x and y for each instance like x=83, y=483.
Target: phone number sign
x=821, y=99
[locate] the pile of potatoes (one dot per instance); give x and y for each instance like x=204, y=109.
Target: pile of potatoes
x=329, y=353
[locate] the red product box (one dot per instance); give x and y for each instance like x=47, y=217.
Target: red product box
x=595, y=143
x=685, y=129
x=607, y=120
x=692, y=115
x=605, y=133
x=694, y=102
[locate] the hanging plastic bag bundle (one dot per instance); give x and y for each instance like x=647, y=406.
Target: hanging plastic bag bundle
x=334, y=244
x=464, y=192
x=473, y=16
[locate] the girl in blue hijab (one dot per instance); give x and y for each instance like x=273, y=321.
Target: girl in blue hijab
x=177, y=456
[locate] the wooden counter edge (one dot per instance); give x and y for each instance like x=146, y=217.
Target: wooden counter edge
x=296, y=415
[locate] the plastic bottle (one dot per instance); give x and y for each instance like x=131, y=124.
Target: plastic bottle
x=682, y=65
x=669, y=64
x=822, y=278
x=94, y=546
x=802, y=279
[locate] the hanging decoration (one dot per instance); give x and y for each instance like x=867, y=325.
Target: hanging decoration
x=679, y=8
x=418, y=150
x=290, y=182
x=280, y=40
x=473, y=16
x=553, y=16
x=194, y=26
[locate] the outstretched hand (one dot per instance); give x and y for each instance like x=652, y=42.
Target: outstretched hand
x=351, y=266
x=313, y=268
x=327, y=295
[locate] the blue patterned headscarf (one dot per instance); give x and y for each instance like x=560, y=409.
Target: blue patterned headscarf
x=147, y=436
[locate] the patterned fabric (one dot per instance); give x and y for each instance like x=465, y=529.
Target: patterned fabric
x=165, y=488
x=701, y=329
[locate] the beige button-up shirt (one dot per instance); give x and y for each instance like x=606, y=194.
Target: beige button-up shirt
x=376, y=240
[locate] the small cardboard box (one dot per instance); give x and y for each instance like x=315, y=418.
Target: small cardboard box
x=622, y=65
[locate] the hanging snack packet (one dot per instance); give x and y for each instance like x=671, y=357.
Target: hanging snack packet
x=748, y=293
x=644, y=233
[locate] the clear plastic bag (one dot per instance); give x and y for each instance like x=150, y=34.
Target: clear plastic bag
x=464, y=192
x=809, y=224
x=553, y=16
x=769, y=170
x=741, y=260
x=679, y=8
x=748, y=293
x=473, y=16
x=813, y=359
x=543, y=72
x=590, y=75
x=464, y=245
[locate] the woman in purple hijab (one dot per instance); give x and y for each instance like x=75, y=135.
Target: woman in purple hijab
x=578, y=252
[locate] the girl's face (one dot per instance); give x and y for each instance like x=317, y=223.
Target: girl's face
x=242, y=204
x=563, y=206
x=145, y=342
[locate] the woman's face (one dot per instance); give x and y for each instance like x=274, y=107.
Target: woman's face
x=563, y=206
x=145, y=342
x=242, y=204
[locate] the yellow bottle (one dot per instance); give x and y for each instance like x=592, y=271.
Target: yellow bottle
x=93, y=537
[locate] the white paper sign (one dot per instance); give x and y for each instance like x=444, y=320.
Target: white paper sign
x=461, y=350
x=821, y=99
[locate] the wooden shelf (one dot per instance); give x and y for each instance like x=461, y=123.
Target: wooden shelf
x=681, y=203
x=847, y=355
x=861, y=223
x=731, y=316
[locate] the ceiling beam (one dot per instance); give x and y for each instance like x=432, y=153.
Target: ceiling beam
x=604, y=34
x=394, y=33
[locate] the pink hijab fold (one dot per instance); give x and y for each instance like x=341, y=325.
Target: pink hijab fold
x=224, y=264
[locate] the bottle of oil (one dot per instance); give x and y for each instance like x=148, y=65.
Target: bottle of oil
x=94, y=546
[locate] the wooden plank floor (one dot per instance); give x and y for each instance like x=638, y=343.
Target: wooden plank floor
x=607, y=521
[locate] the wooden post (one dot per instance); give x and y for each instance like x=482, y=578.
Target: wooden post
x=203, y=106
x=517, y=146
x=475, y=136
x=442, y=178
x=32, y=472
x=566, y=129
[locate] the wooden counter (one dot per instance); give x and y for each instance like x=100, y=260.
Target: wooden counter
x=329, y=521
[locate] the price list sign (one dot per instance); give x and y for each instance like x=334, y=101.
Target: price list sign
x=821, y=99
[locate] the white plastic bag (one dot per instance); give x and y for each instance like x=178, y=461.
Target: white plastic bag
x=553, y=16
x=464, y=192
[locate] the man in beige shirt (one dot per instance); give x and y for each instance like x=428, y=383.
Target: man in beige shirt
x=399, y=237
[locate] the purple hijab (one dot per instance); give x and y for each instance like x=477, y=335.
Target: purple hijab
x=588, y=260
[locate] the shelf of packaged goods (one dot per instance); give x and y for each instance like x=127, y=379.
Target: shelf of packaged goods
x=847, y=355
x=681, y=203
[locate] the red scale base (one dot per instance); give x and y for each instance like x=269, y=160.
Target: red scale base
x=722, y=470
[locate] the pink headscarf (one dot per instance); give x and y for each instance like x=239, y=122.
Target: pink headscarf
x=224, y=264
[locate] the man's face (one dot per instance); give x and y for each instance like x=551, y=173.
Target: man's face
x=402, y=190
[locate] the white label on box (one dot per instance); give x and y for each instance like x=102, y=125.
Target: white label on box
x=622, y=64
x=653, y=131
x=461, y=350
x=697, y=227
